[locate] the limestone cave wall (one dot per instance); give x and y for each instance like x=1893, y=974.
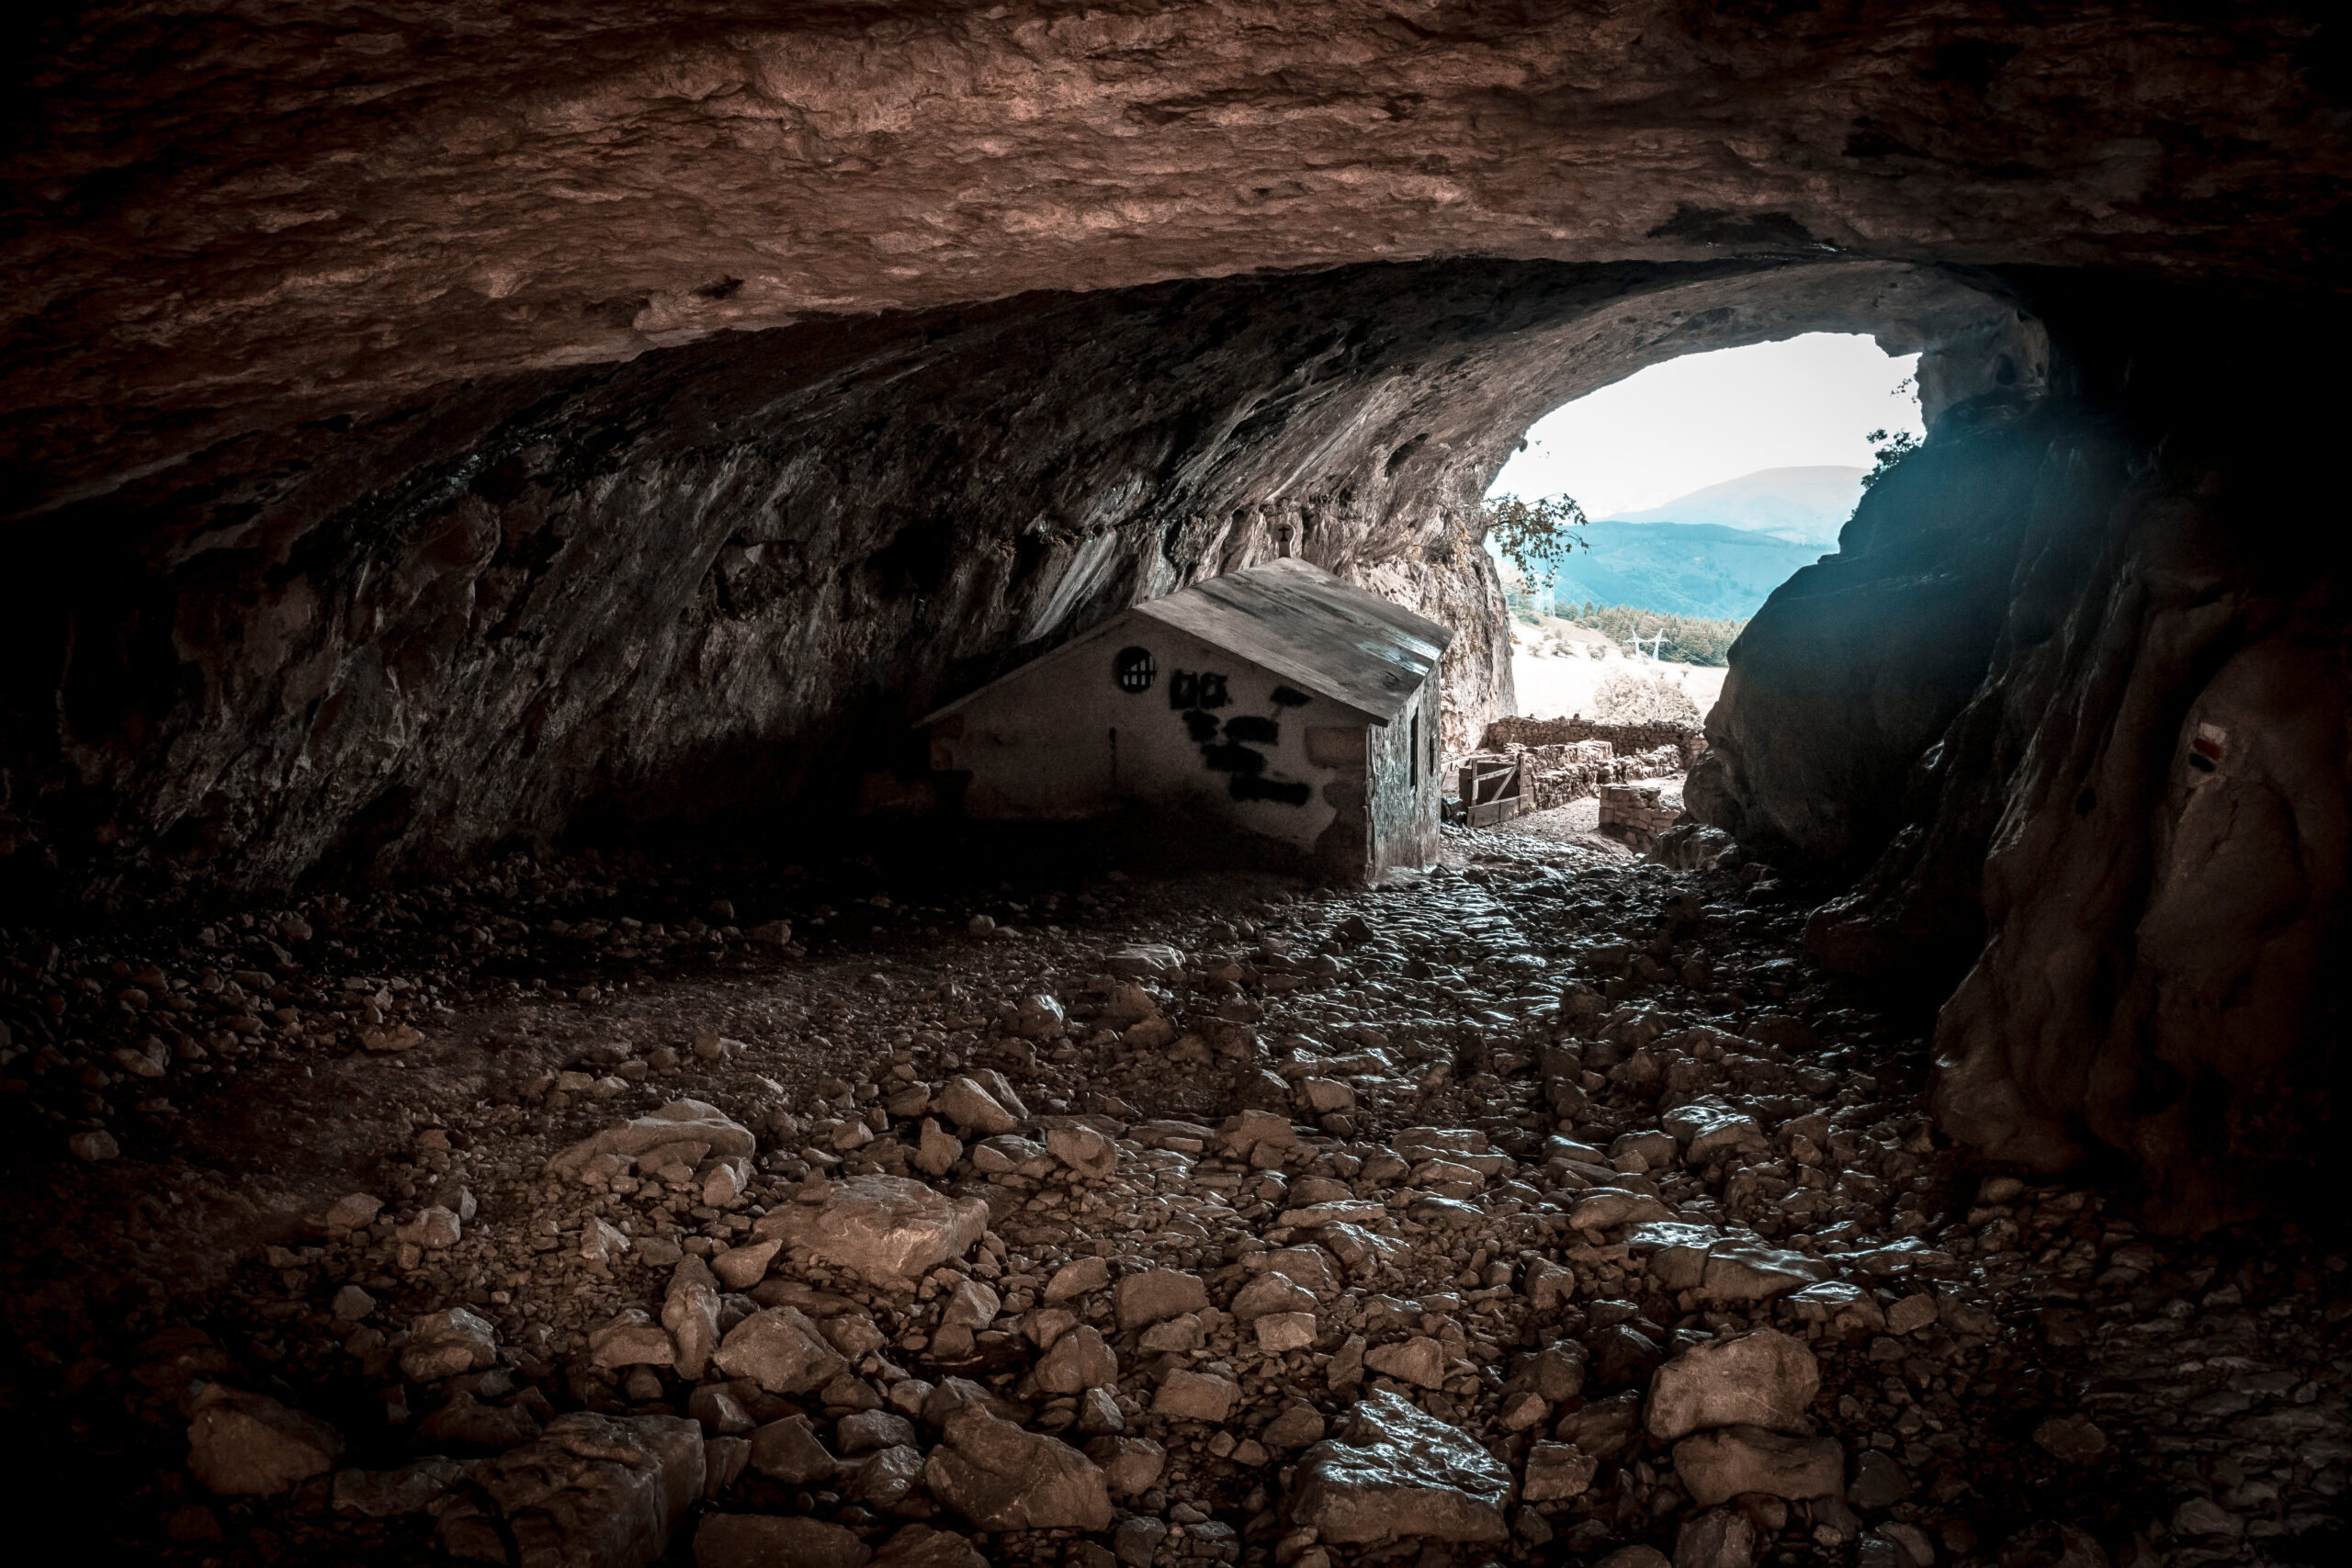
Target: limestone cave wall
x=2083, y=660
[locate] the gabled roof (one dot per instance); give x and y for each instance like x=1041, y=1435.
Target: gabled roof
x=1325, y=636
x=1330, y=637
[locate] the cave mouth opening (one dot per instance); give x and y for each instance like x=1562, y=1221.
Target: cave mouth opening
x=628, y=601
x=1705, y=483
x=1675, y=394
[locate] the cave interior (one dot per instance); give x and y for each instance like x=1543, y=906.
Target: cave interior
x=498, y=1071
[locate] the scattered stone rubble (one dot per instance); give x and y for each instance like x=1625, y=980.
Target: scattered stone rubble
x=1545, y=1210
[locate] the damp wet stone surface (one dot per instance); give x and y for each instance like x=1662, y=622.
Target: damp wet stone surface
x=1550, y=1206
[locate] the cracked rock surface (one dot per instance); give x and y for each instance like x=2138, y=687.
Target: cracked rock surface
x=281, y=221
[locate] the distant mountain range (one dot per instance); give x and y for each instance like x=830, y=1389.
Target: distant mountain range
x=1715, y=553
x=1807, y=505
x=1679, y=568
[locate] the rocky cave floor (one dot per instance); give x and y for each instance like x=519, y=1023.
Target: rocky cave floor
x=1544, y=1209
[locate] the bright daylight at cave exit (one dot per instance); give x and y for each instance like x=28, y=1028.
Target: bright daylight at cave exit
x=1708, y=481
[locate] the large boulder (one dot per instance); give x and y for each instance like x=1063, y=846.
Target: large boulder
x=973, y=1109
x=1604, y=1428
x=244, y=1444
x=1196, y=1396
x=1084, y=1150
x=789, y=1451
x=593, y=1491
x=763, y=1541
x=682, y=1121
x=1760, y=1378
x=1003, y=1477
x=886, y=1229
x=690, y=1315
x=447, y=1345
x=920, y=1546
x=1720, y=1537
x=1145, y=960
x=1419, y=1361
x=1270, y=1293
x=466, y=1424
x=2093, y=801
x=1080, y=1360
x=1742, y=1269
x=1710, y=1128
x=1399, y=1472
x=1131, y=1465
x=1716, y=1466
x=1558, y=1470
x=631, y=1338
x=781, y=1351
x=1155, y=1295
x=385, y=1493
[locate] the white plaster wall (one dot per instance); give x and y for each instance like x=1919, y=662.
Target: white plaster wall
x=1038, y=745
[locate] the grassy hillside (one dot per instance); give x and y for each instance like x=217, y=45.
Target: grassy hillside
x=1687, y=639
x=1680, y=569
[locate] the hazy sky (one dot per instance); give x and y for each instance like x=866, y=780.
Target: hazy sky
x=1676, y=427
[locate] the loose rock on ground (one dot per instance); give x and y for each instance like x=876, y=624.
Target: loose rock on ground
x=1546, y=1208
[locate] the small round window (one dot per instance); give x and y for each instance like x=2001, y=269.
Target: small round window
x=1135, y=669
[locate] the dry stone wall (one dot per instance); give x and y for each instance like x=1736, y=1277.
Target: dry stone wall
x=1636, y=813
x=1688, y=741
x=1558, y=774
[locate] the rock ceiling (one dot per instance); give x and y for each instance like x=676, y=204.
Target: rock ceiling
x=257, y=213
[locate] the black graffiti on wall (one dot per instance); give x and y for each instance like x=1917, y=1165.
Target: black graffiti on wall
x=1249, y=727
x=1229, y=747
x=1187, y=689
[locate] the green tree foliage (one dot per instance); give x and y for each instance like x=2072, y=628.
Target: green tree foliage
x=1892, y=450
x=1689, y=640
x=1535, y=536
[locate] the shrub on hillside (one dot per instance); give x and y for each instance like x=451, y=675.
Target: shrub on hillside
x=1622, y=698
x=1689, y=640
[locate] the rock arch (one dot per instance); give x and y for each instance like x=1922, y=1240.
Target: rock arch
x=748, y=562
